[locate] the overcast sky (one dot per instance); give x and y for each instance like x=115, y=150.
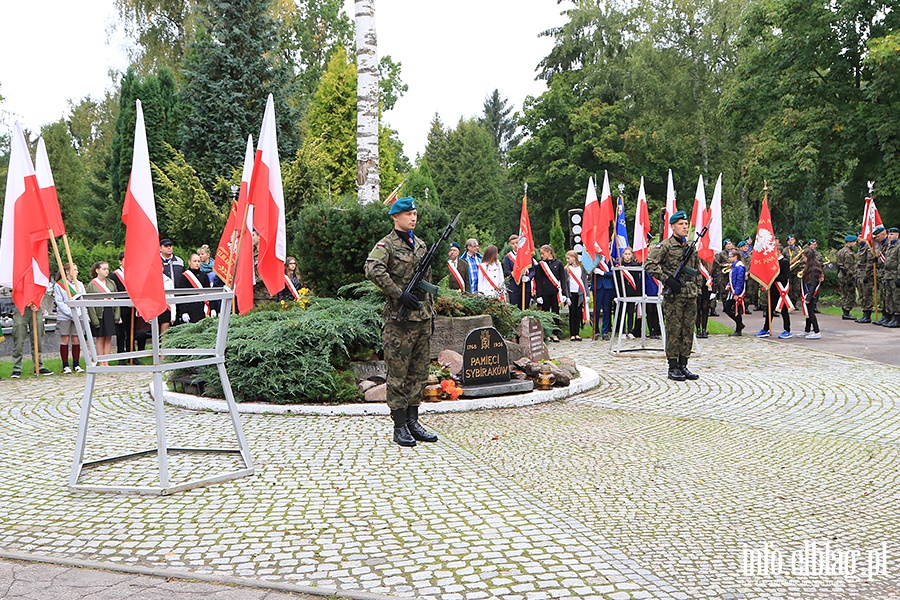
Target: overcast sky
x=452, y=53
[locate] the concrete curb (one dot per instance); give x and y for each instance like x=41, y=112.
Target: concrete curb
x=588, y=379
x=186, y=575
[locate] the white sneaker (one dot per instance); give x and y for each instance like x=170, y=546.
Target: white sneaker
x=66, y=370
x=813, y=336
x=78, y=369
x=630, y=336
x=801, y=334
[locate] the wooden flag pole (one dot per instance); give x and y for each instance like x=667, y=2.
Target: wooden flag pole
x=68, y=250
x=59, y=262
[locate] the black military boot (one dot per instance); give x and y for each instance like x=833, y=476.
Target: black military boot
x=401, y=431
x=895, y=322
x=881, y=320
x=415, y=428
x=847, y=316
x=675, y=373
x=682, y=364
x=866, y=318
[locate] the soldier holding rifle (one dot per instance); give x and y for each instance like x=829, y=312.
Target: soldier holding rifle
x=400, y=264
x=675, y=263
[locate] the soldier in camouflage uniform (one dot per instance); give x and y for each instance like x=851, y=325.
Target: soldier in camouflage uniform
x=891, y=275
x=846, y=266
x=792, y=252
x=407, y=343
x=887, y=273
x=680, y=301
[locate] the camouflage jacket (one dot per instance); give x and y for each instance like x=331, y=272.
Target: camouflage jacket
x=846, y=263
x=391, y=265
x=864, y=264
x=891, y=259
x=662, y=264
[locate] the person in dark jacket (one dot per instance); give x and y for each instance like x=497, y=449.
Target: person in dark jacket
x=192, y=278
x=550, y=283
x=775, y=294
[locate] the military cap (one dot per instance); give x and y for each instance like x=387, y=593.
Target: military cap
x=850, y=238
x=402, y=205
x=878, y=229
x=893, y=230
x=677, y=217
x=726, y=240
x=789, y=236
x=812, y=240
x=454, y=245
x=743, y=243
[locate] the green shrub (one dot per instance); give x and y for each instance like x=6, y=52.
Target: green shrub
x=287, y=355
x=505, y=316
x=333, y=240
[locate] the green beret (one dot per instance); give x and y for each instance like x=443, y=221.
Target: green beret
x=790, y=235
x=878, y=229
x=402, y=205
x=726, y=240
x=850, y=238
x=454, y=245
x=893, y=230
x=677, y=217
x=812, y=240
x=743, y=243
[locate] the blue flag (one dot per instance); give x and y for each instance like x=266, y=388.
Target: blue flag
x=620, y=241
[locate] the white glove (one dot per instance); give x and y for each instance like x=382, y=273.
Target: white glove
x=566, y=301
x=540, y=301
x=525, y=278
x=598, y=271
x=213, y=313
x=186, y=318
x=712, y=296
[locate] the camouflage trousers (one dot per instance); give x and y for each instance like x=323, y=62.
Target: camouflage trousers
x=679, y=315
x=866, y=293
x=888, y=292
x=407, y=350
x=848, y=294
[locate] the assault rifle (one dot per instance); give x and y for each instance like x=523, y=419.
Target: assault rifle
x=417, y=281
x=674, y=284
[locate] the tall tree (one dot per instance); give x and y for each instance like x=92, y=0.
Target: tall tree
x=368, y=175
x=232, y=65
x=501, y=122
x=315, y=30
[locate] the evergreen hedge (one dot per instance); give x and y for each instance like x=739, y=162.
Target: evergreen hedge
x=332, y=241
x=286, y=354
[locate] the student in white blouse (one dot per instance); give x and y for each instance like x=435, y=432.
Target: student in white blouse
x=490, y=274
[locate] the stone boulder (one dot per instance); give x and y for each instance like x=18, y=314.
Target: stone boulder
x=377, y=393
x=452, y=359
x=450, y=332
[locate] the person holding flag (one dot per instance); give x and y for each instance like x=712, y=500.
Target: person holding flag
x=779, y=298
x=680, y=297
x=523, y=256
x=517, y=286
x=550, y=281
x=866, y=258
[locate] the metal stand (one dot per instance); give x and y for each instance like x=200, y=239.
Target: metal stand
x=207, y=356
x=640, y=302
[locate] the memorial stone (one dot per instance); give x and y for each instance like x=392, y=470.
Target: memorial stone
x=485, y=359
x=531, y=336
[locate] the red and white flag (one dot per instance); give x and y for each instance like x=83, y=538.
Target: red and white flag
x=670, y=208
x=871, y=220
x=711, y=244
x=641, y=226
x=143, y=268
x=590, y=219
x=48, y=190
x=764, y=265
x=606, y=218
x=267, y=198
x=699, y=206
x=244, y=279
x=24, y=263
x=525, y=248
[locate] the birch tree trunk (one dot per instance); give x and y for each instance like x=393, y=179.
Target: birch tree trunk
x=368, y=177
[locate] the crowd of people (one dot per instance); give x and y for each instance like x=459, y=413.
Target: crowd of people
x=122, y=322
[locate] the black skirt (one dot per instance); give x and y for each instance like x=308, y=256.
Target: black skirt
x=107, y=327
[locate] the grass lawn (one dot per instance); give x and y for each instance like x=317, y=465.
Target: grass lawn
x=54, y=364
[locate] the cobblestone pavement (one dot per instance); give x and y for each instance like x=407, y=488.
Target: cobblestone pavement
x=640, y=488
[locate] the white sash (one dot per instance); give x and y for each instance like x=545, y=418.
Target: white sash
x=291, y=287
x=101, y=285
x=784, y=299
x=192, y=279
x=121, y=273
x=451, y=264
x=552, y=279
x=584, y=304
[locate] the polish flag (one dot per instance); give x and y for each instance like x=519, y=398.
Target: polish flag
x=670, y=208
x=871, y=220
x=143, y=269
x=24, y=262
x=699, y=206
x=764, y=265
x=641, y=225
x=267, y=197
x=590, y=219
x=711, y=244
x=606, y=218
x=525, y=249
x=48, y=190
x=244, y=278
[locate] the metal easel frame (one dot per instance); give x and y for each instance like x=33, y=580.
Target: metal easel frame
x=207, y=356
